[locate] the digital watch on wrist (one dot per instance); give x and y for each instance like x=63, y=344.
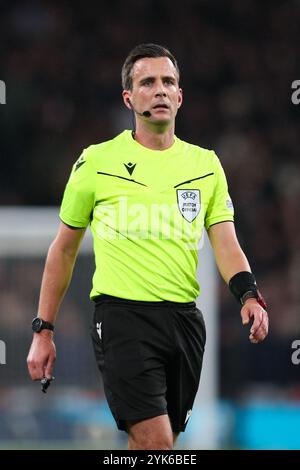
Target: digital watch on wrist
x=38, y=324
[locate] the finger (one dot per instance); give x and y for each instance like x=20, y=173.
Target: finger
x=258, y=336
x=245, y=314
x=258, y=320
x=49, y=368
x=263, y=326
x=35, y=371
x=261, y=332
x=35, y=374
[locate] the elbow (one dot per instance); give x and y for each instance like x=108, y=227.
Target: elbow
x=66, y=251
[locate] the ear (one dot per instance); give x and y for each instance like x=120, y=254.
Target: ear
x=180, y=98
x=126, y=98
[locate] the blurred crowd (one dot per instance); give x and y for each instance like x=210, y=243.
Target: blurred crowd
x=61, y=63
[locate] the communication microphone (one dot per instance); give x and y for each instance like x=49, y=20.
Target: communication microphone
x=145, y=113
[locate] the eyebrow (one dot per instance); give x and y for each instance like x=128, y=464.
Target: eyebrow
x=152, y=79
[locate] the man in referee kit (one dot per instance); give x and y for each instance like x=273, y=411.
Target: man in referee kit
x=147, y=196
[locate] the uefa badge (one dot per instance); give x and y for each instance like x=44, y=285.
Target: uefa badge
x=189, y=203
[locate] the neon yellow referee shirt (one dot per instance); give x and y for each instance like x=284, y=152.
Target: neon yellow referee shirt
x=147, y=210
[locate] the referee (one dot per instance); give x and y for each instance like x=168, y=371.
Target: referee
x=147, y=196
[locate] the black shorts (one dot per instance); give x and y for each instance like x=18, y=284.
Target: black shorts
x=150, y=355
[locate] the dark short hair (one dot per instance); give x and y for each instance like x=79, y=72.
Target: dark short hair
x=139, y=52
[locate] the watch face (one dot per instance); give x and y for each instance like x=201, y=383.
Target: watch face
x=36, y=324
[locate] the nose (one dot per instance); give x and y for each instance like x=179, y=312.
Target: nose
x=160, y=90
x=161, y=93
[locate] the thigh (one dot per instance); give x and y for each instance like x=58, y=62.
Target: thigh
x=184, y=370
x=133, y=374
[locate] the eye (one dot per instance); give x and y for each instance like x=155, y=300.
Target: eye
x=169, y=81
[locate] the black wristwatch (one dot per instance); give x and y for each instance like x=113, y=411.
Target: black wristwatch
x=38, y=325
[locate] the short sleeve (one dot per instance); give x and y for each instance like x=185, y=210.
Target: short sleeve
x=79, y=195
x=220, y=207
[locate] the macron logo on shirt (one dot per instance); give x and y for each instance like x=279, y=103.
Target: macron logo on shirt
x=130, y=167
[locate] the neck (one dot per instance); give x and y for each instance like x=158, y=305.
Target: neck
x=155, y=139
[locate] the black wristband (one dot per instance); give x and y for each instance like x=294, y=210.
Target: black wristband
x=243, y=286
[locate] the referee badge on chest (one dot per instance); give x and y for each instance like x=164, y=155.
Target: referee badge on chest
x=189, y=203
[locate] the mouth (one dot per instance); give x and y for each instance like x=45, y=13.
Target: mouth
x=161, y=107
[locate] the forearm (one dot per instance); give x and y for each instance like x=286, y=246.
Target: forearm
x=56, y=279
x=231, y=261
x=229, y=256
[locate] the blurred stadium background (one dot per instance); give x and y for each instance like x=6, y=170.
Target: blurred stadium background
x=61, y=64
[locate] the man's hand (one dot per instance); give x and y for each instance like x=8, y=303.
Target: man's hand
x=260, y=325
x=41, y=356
